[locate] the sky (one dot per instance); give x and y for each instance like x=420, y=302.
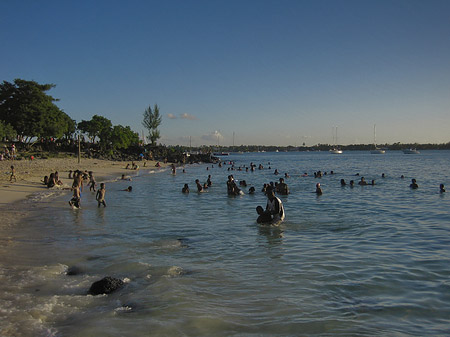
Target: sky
x=239, y=72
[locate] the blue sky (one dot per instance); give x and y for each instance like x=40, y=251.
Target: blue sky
x=271, y=72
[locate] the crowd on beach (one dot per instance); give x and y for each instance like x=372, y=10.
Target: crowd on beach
x=8, y=154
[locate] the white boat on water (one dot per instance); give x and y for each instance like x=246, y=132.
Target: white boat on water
x=376, y=150
x=410, y=151
x=335, y=150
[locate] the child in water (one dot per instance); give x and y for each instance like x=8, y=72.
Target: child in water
x=264, y=217
x=100, y=197
x=75, y=201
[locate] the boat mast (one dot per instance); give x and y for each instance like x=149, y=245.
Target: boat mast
x=374, y=135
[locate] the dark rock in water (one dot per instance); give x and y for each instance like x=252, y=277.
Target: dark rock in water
x=74, y=270
x=106, y=285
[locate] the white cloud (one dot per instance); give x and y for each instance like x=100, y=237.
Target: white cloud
x=171, y=116
x=187, y=116
x=213, y=137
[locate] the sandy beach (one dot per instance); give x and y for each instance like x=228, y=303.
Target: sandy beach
x=30, y=174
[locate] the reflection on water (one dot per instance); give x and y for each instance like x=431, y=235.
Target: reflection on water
x=366, y=260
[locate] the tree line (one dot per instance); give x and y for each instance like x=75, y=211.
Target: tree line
x=29, y=114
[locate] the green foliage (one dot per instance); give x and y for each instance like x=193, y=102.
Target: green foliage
x=122, y=137
x=98, y=126
x=7, y=131
x=30, y=111
x=152, y=119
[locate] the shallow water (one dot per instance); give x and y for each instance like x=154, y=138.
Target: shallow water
x=362, y=261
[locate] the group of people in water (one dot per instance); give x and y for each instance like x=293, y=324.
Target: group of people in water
x=79, y=178
x=274, y=211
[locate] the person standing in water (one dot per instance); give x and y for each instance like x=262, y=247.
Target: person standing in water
x=318, y=189
x=274, y=206
x=100, y=197
x=75, y=202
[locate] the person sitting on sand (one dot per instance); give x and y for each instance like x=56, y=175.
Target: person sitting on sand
x=51, y=181
x=414, y=184
x=318, y=189
x=45, y=181
x=57, y=180
x=282, y=187
x=274, y=206
x=185, y=188
x=362, y=182
x=70, y=174
x=75, y=202
x=441, y=188
x=100, y=197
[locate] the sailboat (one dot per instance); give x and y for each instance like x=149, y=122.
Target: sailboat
x=335, y=150
x=377, y=150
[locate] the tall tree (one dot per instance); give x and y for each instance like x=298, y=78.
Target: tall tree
x=30, y=111
x=98, y=126
x=152, y=119
x=122, y=137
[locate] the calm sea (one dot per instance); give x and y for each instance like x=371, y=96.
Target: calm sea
x=361, y=261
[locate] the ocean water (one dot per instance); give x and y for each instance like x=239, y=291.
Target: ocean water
x=361, y=261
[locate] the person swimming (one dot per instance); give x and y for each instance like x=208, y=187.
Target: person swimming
x=125, y=177
x=414, y=184
x=343, y=182
x=185, y=188
x=362, y=182
x=441, y=188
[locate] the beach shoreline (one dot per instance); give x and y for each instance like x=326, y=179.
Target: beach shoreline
x=30, y=175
